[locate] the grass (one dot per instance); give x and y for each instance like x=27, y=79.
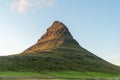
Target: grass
x=61, y=63
x=63, y=74
x=63, y=60
x=75, y=74
x=20, y=74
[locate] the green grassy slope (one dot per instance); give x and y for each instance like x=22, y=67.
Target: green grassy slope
x=57, y=60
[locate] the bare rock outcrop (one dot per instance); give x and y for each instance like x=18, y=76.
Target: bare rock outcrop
x=57, y=35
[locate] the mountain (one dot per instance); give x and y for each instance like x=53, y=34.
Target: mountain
x=56, y=36
x=56, y=50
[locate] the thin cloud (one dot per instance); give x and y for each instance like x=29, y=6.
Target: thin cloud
x=22, y=6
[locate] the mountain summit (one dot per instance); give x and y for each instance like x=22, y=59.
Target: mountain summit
x=57, y=35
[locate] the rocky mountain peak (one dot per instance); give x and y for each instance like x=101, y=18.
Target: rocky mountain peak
x=57, y=35
x=56, y=30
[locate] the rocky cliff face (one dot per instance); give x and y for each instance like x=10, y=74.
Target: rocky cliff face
x=57, y=35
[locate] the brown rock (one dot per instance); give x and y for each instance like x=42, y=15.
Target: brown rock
x=57, y=35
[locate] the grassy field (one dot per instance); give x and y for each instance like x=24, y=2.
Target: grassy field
x=58, y=75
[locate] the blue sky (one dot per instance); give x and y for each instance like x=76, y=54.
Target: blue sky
x=95, y=24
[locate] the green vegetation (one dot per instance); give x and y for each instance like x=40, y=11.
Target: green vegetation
x=20, y=74
x=58, y=60
x=78, y=64
x=61, y=75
